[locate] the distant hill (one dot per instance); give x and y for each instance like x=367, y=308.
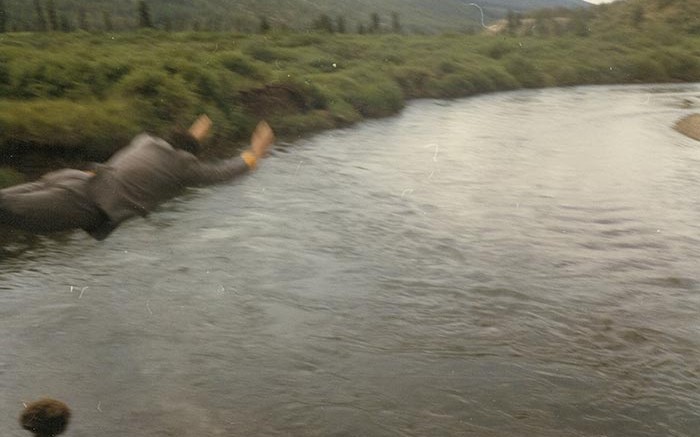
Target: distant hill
x=678, y=15
x=428, y=16
x=663, y=17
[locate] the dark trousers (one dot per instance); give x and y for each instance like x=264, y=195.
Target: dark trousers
x=56, y=202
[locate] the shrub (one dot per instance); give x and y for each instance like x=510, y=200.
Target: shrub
x=96, y=127
x=413, y=80
x=499, y=77
x=160, y=97
x=9, y=176
x=679, y=64
x=266, y=54
x=452, y=85
x=526, y=72
x=499, y=48
x=238, y=64
x=641, y=68
x=376, y=96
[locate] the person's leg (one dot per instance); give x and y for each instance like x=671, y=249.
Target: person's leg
x=57, y=202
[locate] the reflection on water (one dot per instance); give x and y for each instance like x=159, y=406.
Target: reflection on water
x=520, y=264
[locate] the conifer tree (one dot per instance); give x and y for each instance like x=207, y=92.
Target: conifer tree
x=323, y=23
x=340, y=24
x=64, y=23
x=514, y=22
x=53, y=16
x=3, y=17
x=144, y=15
x=40, y=20
x=374, y=27
x=395, y=22
x=264, y=25
x=82, y=19
x=637, y=15
x=107, y=21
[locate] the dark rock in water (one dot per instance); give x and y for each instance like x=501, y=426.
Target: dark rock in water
x=690, y=126
x=45, y=417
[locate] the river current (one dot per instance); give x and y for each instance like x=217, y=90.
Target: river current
x=511, y=265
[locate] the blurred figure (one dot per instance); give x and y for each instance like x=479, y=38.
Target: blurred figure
x=147, y=172
x=56, y=202
x=45, y=417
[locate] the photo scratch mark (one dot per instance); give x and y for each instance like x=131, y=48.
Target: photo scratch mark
x=437, y=151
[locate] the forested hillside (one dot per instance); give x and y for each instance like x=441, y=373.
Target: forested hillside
x=424, y=16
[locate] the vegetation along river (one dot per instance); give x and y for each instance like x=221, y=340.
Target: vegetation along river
x=516, y=264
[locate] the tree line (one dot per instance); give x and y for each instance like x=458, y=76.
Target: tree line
x=46, y=17
x=324, y=23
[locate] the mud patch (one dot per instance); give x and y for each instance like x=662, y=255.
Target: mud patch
x=689, y=126
x=281, y=99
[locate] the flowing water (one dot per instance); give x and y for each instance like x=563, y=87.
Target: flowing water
x=517, y=264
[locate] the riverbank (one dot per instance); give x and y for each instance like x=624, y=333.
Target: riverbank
x=86, y=94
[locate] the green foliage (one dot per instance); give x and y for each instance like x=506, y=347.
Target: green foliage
x=39, y=17
x=9, y=177
x=237, y=63
x=499, y=48
x=265, y=26
x=375, y=23
x=527, y=72
x=3, y=17
x=413, y=80
x=642, y=68
x=92, y=91
x=396, y=23
x=323, y=24
x=144, y=15
x=679, y=64
x=97, y=128
x=375, y=95
x=159, y=96
x=267, y=54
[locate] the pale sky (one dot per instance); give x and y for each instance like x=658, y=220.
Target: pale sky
x=597, y=2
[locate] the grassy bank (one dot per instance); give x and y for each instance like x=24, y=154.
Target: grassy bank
x=88, y=93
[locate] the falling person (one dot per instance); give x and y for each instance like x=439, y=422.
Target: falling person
x=142, y=175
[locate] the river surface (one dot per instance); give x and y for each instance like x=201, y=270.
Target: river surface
x=516, y=264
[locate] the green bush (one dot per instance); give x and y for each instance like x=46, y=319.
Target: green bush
x=452, y=85
x=238, y=64
x=160, y=97
x=413, y=80
x=376, y=96
x=641, y=68
x=679, y=64
x=9, y=176
x=526, y=72
x=267, y=55
x=499, y=77
x=499, y=48
x=301, y=40
x=97, y=128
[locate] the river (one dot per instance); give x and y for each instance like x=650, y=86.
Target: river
x=515, y=264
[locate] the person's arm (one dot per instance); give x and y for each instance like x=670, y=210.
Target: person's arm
x=201, y=127
x=221, y=171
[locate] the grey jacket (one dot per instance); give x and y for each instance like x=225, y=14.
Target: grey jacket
x=150, y=171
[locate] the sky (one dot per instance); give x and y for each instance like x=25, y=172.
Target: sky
x=597, y=2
